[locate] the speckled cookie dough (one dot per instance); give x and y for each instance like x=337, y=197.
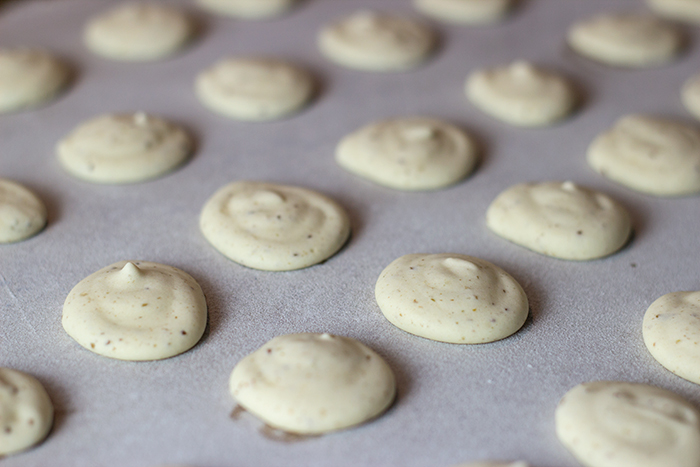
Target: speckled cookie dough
x=26, y=412
x=374, y=41
x=468, y=12
x=626, y=40
x=687, y=11
x=116, y=149
x=412, y=153
x=248, y=9
x=451, y=298
x=653, y=155
x=138, y=32
x=29, y=78
x=690, y=94
x=273, y=227
x=136, y=310
x=254, y=89
x=313, y=383
x=671, y=332
x=22, y=213
x=521, y=94
x=562, y=220
x=614, y=424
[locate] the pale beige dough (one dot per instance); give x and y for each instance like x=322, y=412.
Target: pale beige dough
x=254, y=89
x=138, y=32
x=413, y=153
x=375, y=41
x=690, y=94
x=273, y=227
x=22, y=213
x=248, y=9
x=451, y=298
x=313, y=383
x=29, y=78
x=471, y=12
x=123, y=148
x=136, y=310
x=616, y=424
x=521, y=94
x=26, y=412
x=671, y=332
x=653, y=155
x=626, y=39
x=680, y=10
x=562, y=220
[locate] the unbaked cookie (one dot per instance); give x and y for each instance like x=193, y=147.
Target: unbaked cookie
x=136, y=310
x=29, y=78
x=138, y=32
x=22, y=213
x=26, y=412
x=248, y=9
x=273, y=227
x=681, y=10
x=313, y=383
x=471, y=12
x=123, y=148
x=521, y=94
x=657, y=156
x=690, y=94
x=627, y=40
x=451, y=298
x=562, y=220
x=374, y=41
x=614, y=424
x=412, y=153
x=672, y=333
x=254, y=89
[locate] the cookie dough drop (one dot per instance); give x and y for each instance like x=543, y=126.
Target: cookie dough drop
x=466, y=12
x=22, y=213
x=29, y=78
x=248, y=9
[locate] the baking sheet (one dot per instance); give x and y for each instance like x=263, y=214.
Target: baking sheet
x=455, y=403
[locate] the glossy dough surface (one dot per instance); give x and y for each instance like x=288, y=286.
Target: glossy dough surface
x=136, y=310
x=248, y=9
x=22, y=213
x=471, y=12
x=680, y=10
x=615, y=424
x=653, y=155
x=451, y=298
x=29, y=78
x=375, y=41
x=411, y=153
x=123, y=148
x=691, y=94
x=672, y=333
x=313, y=383
x=254, y=89
x=26, y=412
x=627, y=40
x=138, y=32
x=562, y=220
x=273, y=227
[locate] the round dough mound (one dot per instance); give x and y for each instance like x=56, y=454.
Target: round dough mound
x=408, y=153
x=254, y=89
x=691, y=95
x=22, y=214
x=273, y=227
x=451, y=298
x=561, y=220
x=521, y=94
x=136, y=310
x=627, y=40
x=138, y=32
x=248, y=9
x=123, y=148
x=373, y=41
x=672, y=333
x=680, y=10
x=29, y=78
x=471, y=12
x=26, y=412
x=614, y=424
x=313, y=383
x=657, y=156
